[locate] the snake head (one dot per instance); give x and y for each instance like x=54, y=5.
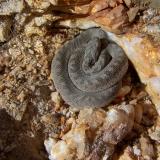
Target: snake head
x=92, y=51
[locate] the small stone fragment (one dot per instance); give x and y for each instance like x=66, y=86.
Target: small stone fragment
x=124, y=91
x=139, y=113
x=104, y=4
x=21, y=96
x=8, y=7
x=147, y=148
x=32, y=29
x=132, y=13
x=87, y=116
x=112, y=20
x=121, y=118
x=127, y=155
x=154, y=132
x=68, y=2
x=5, y=28
x=155, y=4
x=4, y=61
x=46, y=19
x=49, y=143
x=128, y=2
x=39, y=6
x=56, y=99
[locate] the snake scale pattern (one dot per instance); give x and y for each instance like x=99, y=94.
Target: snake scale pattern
x=88, y=70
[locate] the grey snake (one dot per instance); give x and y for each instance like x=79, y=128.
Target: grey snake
x=88, y=70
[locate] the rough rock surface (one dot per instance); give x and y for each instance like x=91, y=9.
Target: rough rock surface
x=5, y=29
x=109, y=129
x=8, y=7
x=31, y=110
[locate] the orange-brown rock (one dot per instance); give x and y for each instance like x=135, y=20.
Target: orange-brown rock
x=99, y=5
x=110, y=14
x=113, y=20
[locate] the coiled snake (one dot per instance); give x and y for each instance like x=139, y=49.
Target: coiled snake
x=88, y=70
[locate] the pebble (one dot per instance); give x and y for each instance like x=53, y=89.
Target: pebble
x=9, y=7
x=5, y=28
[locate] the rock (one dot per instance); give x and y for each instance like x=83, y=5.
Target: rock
x=139, y=113
x=55, y=97
x=39, y=21
x=154, y=132
x=32, y=29
x=138, y=48
x=128, y=154
x=100, y=5
x=49, y=143
x=112, y=20
x=4, y=64
x=46, y=19
x=5, y=29
x=149, y=14
x=128, y=2
x=38, y=25
x=39, y=6
x=68, y=2
x=98, y=127
x=155, y=4
x=124, y=91
x=77, y=23
x=14, y=110
x=111, y=15
x=8, y=7
x=121, y=118
x=61, y=151
x=132, y=13
x=87, y=115
x=81, y=143
x=147, y=148
x=21, y=96
x=77, y=10
x=118, y=123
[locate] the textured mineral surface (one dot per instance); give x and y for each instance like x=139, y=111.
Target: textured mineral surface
x=35, y=122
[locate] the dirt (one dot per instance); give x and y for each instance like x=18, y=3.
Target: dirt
x=28, y=112
x=25, y=96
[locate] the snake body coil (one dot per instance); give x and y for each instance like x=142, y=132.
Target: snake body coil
x=88, y=70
